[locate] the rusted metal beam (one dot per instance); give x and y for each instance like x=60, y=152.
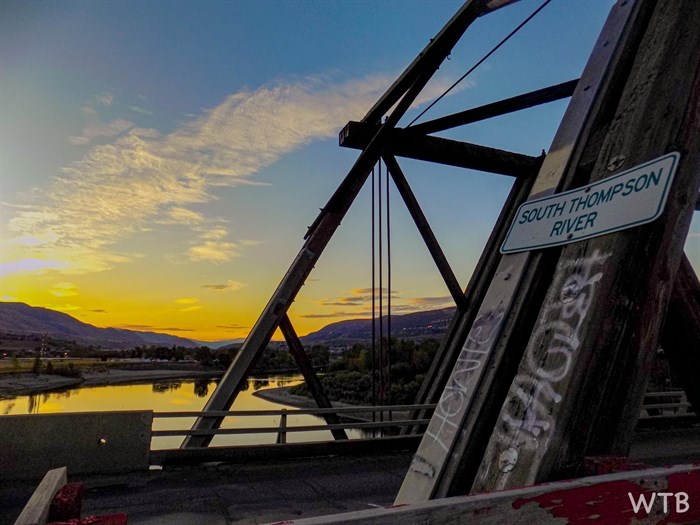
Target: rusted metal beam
x=307, y=370
x=426, y=232
x=404, y=143
x=580, y=385
x=273, y=452
x=433, y=54
x=680, y=338
x=495, y=109
x=464, y=418
x=325, y=225
x=444, y=361
x=669, y=492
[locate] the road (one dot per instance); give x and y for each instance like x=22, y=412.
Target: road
x=216, y=494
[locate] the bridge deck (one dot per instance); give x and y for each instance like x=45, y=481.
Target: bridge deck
x=292, y=489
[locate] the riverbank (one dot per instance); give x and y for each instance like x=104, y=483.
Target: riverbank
x=12, y=385
x=283, y=396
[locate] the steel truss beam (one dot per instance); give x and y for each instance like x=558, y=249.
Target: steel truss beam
x=405, y=143
x=496, y=109
x=426, y=232
x=307, y=370
x=403, y=93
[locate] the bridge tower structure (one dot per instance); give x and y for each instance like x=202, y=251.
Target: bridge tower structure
x=548, y=354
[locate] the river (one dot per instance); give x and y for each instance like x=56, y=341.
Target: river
x=176, y=396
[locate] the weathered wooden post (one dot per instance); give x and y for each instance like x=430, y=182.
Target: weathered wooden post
x=681, y=336
x=282, y=434
x=453, y=445
x=580, y=384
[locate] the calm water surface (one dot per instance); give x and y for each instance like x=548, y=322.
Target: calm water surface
x=176, y=396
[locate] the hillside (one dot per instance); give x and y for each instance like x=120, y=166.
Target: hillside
x=20, y=318
x=413, y=325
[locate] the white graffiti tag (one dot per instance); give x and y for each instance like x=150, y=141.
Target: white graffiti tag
x=526, y=414
x=458, y=391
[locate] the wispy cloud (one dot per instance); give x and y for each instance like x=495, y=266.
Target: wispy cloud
x=230, y=286
x=140, y=110
x=152, y=328
x=426, y=303
x=190, y=304
x=337, y=315
x=213, y=251
x=95, y=127
x=140, y=177
x=192, y=308
x=358, y=297
x=358, y=302
x=187, y=300
x=64, y=289
x=65, y=307
x=178, y=215
x=141, y=327
x=233, y=327
x=31, y=266
x=104, y=99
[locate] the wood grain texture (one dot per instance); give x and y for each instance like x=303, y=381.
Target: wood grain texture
x=36, y=511
x=462, y=422
x=580, y=386
x=597, y=499
x=680, y=338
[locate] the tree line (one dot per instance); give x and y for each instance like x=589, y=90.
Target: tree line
x=358, y=377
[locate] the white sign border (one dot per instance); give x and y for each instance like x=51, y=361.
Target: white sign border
x=662, y=204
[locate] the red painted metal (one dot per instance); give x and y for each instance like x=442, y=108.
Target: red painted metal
x=67, y=503
x=611, y=502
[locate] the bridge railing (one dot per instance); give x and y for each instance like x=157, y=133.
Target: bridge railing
x=661, y=405
x=376, y=419
x=368, y=418
x=106, y=442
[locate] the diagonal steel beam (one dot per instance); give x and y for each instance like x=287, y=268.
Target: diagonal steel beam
x=453, y=444
x=495, y=109
x=440, y=369
x=680, y=338
x=405, y=143
x=426, y=232
x=435, y=52
x=320, y=233
x=307, y=370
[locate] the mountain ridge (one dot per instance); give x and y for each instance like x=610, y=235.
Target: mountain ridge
x=16, y=317
x=412, y=325
x=19, y=317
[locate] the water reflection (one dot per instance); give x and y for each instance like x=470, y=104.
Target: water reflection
x=163, y=387
x=7, y=409
x=201, y=387
x=260, y=383
x=176, y=396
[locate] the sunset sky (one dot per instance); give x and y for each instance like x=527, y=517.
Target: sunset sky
x=161, y=160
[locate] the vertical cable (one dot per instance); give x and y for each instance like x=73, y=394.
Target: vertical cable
x=374, y=326
x=380, y=249
x=388, y=288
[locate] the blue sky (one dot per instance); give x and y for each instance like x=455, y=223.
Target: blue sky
x=160, y=160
